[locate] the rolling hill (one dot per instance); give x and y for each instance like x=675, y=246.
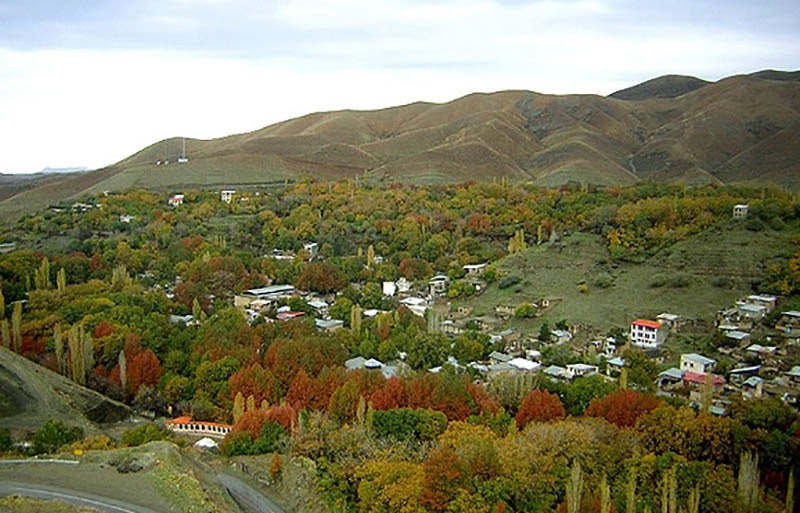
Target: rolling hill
x=30, y=394
x=741, y=129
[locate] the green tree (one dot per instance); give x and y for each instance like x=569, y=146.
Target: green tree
x=53, y=435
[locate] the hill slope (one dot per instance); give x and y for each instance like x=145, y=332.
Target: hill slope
x=30, y=394
x=671, y=129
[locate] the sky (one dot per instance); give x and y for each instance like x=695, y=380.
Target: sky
x=90, y=82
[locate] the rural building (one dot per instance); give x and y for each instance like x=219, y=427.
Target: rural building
x=389, y=288
x=175, y=200
x=560, y=336
x=789, y=323
x=438, y=285
x=740, y=211
x=740, y=337
x=753, y=312
x=319, y=307
x=646, y=333
x=328, y=325
x=474, y=270
x=693, y=362
x=312, y=248
x=270, y=294
x=227, y=195
x=671, y=321
x=581, y=369
x=614, y=365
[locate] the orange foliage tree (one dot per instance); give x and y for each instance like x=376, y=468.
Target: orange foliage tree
x=256, y=381
x=541, y=406
x=622, y=407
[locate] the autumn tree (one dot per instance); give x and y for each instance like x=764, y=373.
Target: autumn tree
x=540, y=406
x=623, y=407
x=443, y=477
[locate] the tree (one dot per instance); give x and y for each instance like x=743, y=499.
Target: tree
x=443, y=477
x=61, y=280
x=544, y=332
x=574, y=492
x=53, y=435
x=16, y=326
x=540, y=406
x=321, y=277
x=748, y=481
x=123, y=369
x=144, y=369
x=238, y=407
x=622, y=407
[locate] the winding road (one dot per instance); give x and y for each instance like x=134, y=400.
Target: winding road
x=49, y=493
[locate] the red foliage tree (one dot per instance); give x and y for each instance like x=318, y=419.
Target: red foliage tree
x=103, y=329
x=541, y=406
x=445, y=393
x=144, y=369
x=622, y=407
x=321, y=277
x=443, y=476
x=301, y=390
x=283, y=414
x=251, y=422
x=256, y=381
x=392, y=395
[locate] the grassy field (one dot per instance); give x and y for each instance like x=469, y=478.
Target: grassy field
x=694, y=278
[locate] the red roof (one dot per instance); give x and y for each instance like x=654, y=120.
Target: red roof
x=188, y=420
x=285, y=316
x=700, y=378
x=648, y=324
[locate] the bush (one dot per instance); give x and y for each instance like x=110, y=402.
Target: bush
x=508, y=281
x=53, y=435
x=407, y=424
x=145, y=434
x=525, y=310
x=5, y=440
x=679, y=281
x=92, y=443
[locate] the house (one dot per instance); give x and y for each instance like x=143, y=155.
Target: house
x=438, y=285
x=474, y=270
x=671, y=321
x=753, y=387
x=359, y=362
x=270, y=294
x=646, y=333
x=740, y=211
x=576, y=370
x=765, y=300
x=328, y=324
x=389, y=288
x=740, y=337
x=403, y=285
x=124, y=218
x=794, y=375
x=761, y=350
x=417, y=305
x=497, y=357
x=741, y=374
x=557, y=372
x=696, y=381
x=319, y=308
x=750, y=311
x=693, y=362
x=614, y=366
x=451, y=328
x=560, y=336
x=226, y=195
x=669, y=377
x=288, y=316
x=503, y=311
x=524, y=364
x=175, y=200
x=789, y=323
x=312, y=248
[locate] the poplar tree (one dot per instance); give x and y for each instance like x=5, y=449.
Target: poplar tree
x=16, y=326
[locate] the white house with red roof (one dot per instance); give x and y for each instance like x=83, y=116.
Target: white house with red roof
x=649, y=334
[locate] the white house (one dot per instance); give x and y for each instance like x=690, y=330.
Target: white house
x=740, y=211
x=693, y=362
x=227, y=195
x=176, y=200
x=646, y=333
x=438, y=285
x=561, y=336
x=581, y=369
x=474, y=270
x=389, y=288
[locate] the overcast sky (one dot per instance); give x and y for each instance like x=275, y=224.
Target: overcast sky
x=88, y=82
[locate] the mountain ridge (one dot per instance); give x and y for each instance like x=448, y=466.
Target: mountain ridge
x=674, y=129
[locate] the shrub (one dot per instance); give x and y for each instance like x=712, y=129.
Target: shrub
x=53, y=435
x=508, y=281
x=5, y=440
x=93, y=443
x=525, y=310
x=146, y=433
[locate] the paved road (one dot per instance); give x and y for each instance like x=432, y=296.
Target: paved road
x=246, y=497
x=76, y=498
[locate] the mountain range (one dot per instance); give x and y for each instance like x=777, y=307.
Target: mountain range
x=676, y=129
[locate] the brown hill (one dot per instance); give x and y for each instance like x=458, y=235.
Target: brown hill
x=737, y=130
